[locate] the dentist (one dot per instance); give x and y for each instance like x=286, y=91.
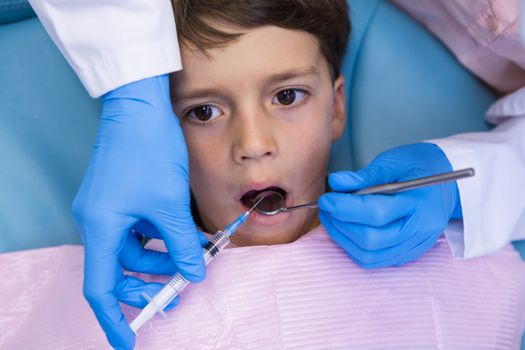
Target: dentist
x=138, y=174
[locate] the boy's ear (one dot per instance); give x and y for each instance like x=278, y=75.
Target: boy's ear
x=339, y=111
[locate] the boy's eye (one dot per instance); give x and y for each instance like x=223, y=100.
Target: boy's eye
x=289, y=97
x=204, y=113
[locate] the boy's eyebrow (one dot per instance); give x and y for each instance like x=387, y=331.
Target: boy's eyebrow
x=195, y=94
x=274, y=78
x=293, y=73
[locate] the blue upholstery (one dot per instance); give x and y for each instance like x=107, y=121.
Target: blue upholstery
x=14, y=10
x=395, y=93
x=47, y=126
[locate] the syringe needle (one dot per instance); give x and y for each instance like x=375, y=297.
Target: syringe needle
x=259, y=201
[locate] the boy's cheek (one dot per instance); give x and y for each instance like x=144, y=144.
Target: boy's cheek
x=307, y=159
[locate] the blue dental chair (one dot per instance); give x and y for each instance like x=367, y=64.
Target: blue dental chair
x=402, y=85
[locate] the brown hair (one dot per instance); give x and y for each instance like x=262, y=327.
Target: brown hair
x=327, y=20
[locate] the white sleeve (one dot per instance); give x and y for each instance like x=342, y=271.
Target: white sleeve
x=110, y=43
x=493, y=201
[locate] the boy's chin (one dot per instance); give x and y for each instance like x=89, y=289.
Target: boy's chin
x=285, y=232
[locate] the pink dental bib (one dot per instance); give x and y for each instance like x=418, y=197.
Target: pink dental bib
x=307, y=295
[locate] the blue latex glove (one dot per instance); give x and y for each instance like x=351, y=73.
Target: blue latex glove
x=389, y=230
x=138, y=173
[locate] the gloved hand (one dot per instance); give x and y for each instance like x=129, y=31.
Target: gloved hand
x=388, y=230
x=138, y=173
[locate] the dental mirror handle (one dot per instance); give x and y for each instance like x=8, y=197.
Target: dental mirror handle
x=312, y=205
x=396, y=187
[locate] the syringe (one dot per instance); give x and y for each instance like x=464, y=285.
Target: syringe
x=157, y=304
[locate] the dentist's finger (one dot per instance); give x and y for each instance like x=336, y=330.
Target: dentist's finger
x=412, y=255
x=182, y=241
x=133, y=257
x=341, y=239
x=100, y=277
x=129, y=291
x=372, y=209
x=347, y=181
x=203, y=240
x=370, y=258
x=376, y=173
x=146, y=228
x=377, y=238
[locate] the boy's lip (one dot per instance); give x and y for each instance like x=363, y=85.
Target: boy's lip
x=261, y=185
x=265, y=220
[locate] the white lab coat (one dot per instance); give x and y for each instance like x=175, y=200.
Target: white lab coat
x=484, y=36
x=110, y=43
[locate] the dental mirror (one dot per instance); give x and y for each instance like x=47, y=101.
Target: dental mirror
x=272, y=202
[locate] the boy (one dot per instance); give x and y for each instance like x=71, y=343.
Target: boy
x=260, y=100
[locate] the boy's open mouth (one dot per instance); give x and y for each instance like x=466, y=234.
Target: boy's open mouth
x=270, y=203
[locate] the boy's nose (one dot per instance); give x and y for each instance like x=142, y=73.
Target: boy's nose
x=253, y=140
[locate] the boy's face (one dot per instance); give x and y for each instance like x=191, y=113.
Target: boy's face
x=261, y=112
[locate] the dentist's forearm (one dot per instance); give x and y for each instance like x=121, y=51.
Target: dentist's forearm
x=492, y=202
x=110, y=43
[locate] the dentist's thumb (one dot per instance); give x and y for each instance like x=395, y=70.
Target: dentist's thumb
x=348, y=181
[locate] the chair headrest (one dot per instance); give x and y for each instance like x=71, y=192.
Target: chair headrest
x=15, y=10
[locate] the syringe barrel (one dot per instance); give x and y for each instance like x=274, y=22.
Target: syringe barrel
x=217, y=243
x=160, y=301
